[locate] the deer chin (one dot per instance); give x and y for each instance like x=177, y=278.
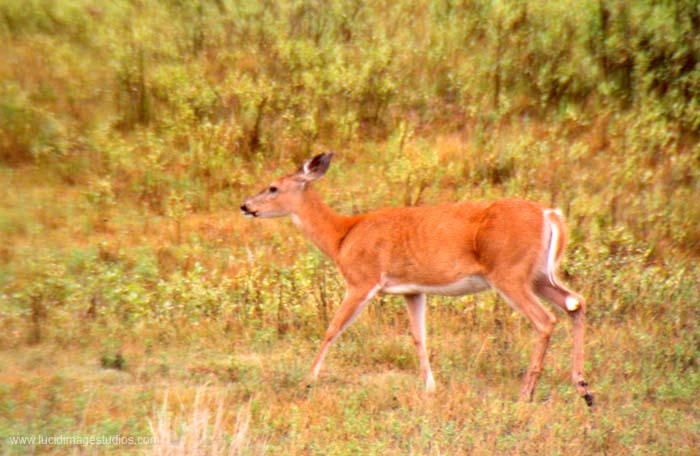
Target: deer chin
x=247, y=213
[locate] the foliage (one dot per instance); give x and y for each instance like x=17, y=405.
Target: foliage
x=131, y=131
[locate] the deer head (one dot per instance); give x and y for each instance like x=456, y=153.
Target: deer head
x=283, y=195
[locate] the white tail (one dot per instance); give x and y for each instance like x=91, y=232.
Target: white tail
x=510, y=245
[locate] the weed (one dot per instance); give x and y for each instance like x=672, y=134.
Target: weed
x=115, y=361
x=130, y=131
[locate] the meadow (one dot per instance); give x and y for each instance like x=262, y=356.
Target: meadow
x=136, y=301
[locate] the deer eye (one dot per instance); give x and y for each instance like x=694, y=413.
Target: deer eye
x=272, y=189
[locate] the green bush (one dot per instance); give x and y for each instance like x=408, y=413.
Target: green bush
x=28, y=134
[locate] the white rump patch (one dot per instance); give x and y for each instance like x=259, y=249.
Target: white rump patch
x=551, y=263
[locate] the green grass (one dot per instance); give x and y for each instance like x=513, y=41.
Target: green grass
x=366, y=401
x=136, y=301
x=104, y=319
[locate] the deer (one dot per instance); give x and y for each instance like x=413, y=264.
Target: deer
x=512, y=246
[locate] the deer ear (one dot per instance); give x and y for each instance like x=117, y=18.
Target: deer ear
x=316, y=167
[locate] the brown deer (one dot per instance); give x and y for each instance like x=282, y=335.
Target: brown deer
x=510, y=245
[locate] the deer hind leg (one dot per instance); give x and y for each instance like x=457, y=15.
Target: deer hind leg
x=575, y=306
x=522, y=298
x=416, y=315
x=353, y=303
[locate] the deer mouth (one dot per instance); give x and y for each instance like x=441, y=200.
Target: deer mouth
x=247, y=212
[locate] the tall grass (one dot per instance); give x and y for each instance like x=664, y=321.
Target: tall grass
x=200, y=432
x=131, y=131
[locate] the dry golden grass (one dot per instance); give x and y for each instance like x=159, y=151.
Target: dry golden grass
x=207, y=398
x=135, y=301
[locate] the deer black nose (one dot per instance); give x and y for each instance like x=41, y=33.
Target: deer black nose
x=246, y=211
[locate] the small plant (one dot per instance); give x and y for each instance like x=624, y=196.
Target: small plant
x=113, y=361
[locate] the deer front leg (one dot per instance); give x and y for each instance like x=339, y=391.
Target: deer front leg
x=416, y=315
x=353, y=303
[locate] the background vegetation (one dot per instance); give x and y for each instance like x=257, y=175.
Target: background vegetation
x=135, y=300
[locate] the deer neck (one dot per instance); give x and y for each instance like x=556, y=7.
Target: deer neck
x=323, y=226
